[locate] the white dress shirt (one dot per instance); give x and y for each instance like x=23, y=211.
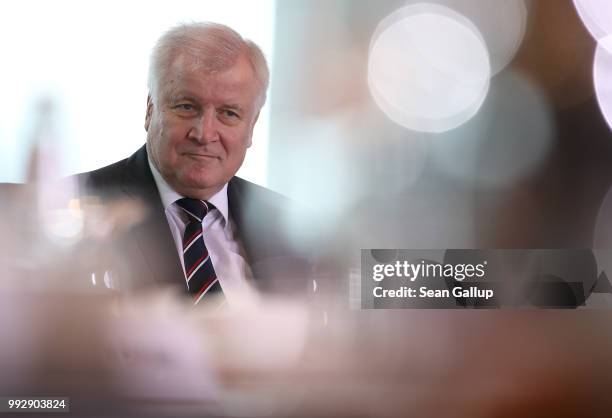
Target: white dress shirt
x=225, y=249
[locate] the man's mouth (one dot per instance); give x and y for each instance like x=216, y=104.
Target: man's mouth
x=197, y=155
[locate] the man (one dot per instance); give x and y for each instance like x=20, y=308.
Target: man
x=206, y=229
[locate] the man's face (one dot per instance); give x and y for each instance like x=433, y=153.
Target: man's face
x=200, y=126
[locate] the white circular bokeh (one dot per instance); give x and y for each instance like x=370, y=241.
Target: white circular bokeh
x=501, y=23
x=602, y=77
x=596, y=16
x=428, y=68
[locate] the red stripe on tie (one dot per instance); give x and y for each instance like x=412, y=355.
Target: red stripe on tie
x=197, y=263
x=191, y=239
x=205, y=286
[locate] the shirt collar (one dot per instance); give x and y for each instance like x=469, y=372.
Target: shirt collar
x=169, y=196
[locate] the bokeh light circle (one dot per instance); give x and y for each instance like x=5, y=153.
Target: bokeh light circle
x=428, y=68
x=502, y=24
x=596, y=16
x=602, y=77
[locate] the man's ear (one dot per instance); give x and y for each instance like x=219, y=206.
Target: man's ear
x=252, y=127
x=149, y=112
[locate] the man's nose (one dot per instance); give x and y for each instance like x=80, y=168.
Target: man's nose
x=205, y=129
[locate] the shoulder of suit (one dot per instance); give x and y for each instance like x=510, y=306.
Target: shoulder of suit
x=102, y=181
x=257, y=194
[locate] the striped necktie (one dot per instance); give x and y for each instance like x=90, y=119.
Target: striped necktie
x=199, y=270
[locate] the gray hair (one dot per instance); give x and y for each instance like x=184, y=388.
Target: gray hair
x=213, y=46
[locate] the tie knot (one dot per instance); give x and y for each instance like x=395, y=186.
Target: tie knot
x=196, y=209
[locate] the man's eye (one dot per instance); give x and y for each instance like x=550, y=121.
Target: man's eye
x=230, y=113
x=184, y=106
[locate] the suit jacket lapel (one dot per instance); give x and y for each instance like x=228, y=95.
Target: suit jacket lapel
x=236, y=201
x=258, y=218
x=239, y=213
x=153, y=235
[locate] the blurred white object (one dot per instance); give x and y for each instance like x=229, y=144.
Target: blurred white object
x=596, y=16
x=502, y=24
x=602, y=77
x=428, y=68
x=158, y=352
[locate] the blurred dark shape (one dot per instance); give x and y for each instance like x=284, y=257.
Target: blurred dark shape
x=602, y=285
x=554, y=292
x=557, y=52
x=603, y=225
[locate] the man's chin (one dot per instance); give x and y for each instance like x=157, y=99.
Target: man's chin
x=198, y=188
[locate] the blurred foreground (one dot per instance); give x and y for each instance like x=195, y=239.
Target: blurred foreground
x=68, y=328
x=153, y=356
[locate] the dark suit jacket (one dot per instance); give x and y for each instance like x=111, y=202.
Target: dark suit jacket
x=148, y=253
